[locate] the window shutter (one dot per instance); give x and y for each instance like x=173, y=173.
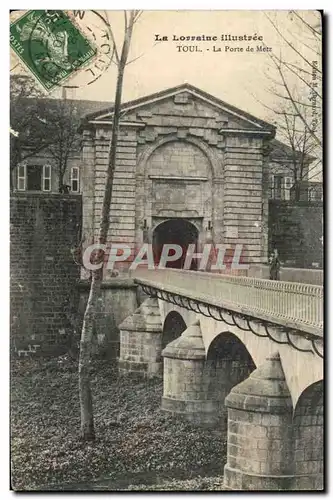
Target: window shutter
x=288, y=182
x=46, y=178
x=75, y=185
x=21, y=176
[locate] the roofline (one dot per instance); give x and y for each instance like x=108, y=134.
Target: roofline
x=309, y=158
x=180, y=88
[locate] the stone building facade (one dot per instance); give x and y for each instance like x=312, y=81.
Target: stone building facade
x=188, y=165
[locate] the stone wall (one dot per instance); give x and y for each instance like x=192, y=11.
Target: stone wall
x=297, y=275
x=296, y=229
x=44, y=297
x=118, y=300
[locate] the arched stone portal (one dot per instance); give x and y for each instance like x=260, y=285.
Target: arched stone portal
x=175, y=231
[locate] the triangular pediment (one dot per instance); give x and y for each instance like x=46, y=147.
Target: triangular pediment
x=184, y=100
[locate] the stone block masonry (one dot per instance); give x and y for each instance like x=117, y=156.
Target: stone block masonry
x=141, y=341
x=243, y=194
x=260, y=431
x=44, y=295
x=118, y=299
x=296, y=230
x=271, y=446
x=187, y=380
x=174, y=161
x=122, y=210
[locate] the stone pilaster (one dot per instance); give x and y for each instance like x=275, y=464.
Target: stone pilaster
x=141, y=341
x=122, y=209
x=242, y=217
x=260, y=444
x=186, y=390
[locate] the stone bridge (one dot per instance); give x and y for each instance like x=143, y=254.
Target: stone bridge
x=245, y=354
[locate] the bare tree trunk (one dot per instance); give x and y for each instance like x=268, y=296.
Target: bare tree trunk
x=87, y=419
x=61, y=173
x=86, y=405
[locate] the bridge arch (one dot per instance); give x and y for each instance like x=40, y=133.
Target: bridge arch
x=173, y=326
x=308, y=434
x=230, y=363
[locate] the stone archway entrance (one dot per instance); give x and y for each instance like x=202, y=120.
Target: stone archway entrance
x=176, y=232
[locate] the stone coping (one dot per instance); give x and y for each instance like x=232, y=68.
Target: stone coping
x=44, y=194
x=111, y=283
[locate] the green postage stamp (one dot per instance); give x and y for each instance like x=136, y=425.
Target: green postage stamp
x=50, y=46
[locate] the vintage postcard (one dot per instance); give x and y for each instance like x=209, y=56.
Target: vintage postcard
x=166, y=210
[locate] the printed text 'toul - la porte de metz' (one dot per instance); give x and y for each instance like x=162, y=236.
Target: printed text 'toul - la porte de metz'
x=226, y=42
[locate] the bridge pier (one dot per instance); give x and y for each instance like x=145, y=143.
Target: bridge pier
x=271, y=446
x=187, y=382
x=260, y=431
x=141, y=341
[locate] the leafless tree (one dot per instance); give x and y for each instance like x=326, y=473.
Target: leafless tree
x=303, y=161
x=296, y=84
x=121, y=60
x=62, y=125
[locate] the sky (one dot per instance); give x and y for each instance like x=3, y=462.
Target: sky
x=239, y=78
x=225, y=69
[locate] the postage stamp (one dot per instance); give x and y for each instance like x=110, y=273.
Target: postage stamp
x=50, y=46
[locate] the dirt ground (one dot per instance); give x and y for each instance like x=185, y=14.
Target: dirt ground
x=137, y=446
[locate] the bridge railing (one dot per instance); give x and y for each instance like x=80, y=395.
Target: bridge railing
x=297, y=305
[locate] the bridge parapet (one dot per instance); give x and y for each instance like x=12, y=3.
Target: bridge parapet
x=292, y=305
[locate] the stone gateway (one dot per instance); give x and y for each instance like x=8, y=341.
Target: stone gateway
x=190, y=169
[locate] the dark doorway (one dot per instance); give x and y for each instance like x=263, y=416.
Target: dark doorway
x=175, y=232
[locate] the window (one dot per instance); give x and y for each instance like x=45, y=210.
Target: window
x=288, y=182
x=47, y=178
x=75, y=180
x=277, y=187
x=21, y=177
x=33, y=177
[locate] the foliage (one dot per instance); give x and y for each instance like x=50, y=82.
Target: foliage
x=38, y=123
x=133, y=436
x=27, y=119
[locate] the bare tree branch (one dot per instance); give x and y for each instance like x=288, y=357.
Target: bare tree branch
x=291, y=45
x=314, y=31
